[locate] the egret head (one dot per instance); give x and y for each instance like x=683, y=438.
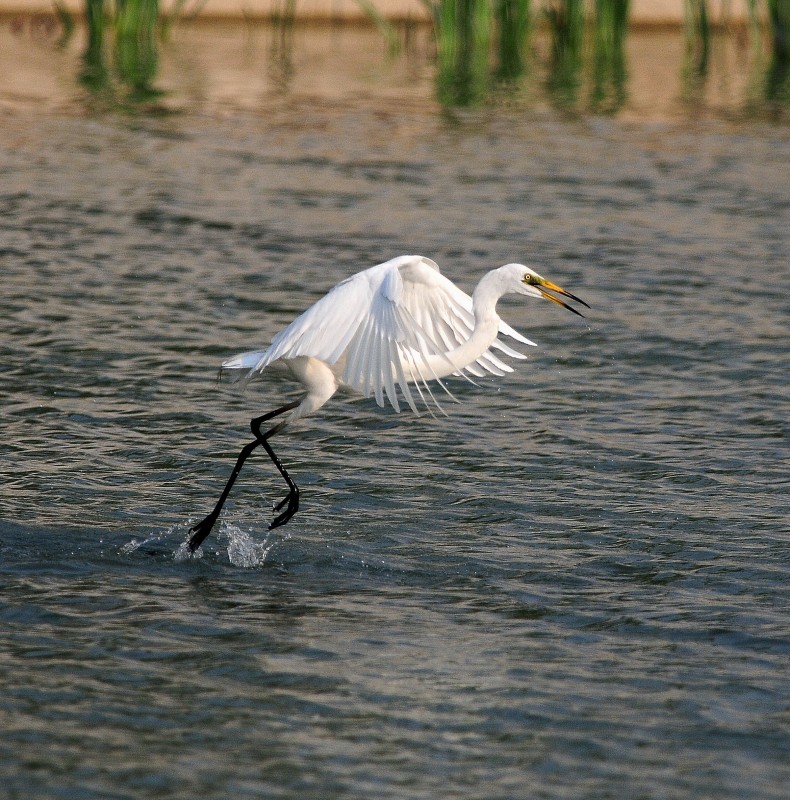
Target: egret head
x=529, y=282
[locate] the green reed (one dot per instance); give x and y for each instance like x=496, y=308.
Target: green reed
x=769, y=40
x=136, y=47
x=121, y=56
x=463, y=44
x=777, y=79
x=587, y=46
x=610, y=28
x=281, y=61
x=566, y=29
x=697, y=35
x=512, y=19
x=483, y=47
x=95, y=75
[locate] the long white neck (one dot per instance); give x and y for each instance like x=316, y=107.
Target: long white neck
x=486, y=328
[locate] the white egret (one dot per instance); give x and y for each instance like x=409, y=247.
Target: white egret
x=395, y=326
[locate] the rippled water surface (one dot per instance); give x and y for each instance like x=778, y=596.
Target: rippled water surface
x=573, y=587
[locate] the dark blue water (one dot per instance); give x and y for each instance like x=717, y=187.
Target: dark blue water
x=574, y=587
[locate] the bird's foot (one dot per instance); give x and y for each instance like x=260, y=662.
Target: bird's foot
x=201, y=531
x=291, y=504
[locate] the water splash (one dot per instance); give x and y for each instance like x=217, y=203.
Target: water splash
x=155, y=539
x=243, y=550
x=183, y=553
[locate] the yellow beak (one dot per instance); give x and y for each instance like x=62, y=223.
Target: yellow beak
x=544, y=287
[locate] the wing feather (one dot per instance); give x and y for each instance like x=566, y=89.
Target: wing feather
x=448, y=311
x=383, y=324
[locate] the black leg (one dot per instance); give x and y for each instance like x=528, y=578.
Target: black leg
x=292, y=498
x=203, y=528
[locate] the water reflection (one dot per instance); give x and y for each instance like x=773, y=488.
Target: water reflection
x=469, y=30
x=609, y=63
x=777, y=83
x=566, y=23
x=513, y=31
x=121, y=57
x=136, y=52
x=95, y=75
x=483, y=53
x=463, y=36
x=475, y=53
x=281, y=61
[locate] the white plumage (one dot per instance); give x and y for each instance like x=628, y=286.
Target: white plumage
x=385, y=330
x=392, y=324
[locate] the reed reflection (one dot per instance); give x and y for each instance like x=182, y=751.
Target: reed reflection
x=571, y=53
x=566, y=29
x=777, y=79
x=121, y=58
x=609, y=62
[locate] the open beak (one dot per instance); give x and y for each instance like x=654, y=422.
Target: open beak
x=545, y=287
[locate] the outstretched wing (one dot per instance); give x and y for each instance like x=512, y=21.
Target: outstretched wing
x=380, y=327
x=322, y=331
